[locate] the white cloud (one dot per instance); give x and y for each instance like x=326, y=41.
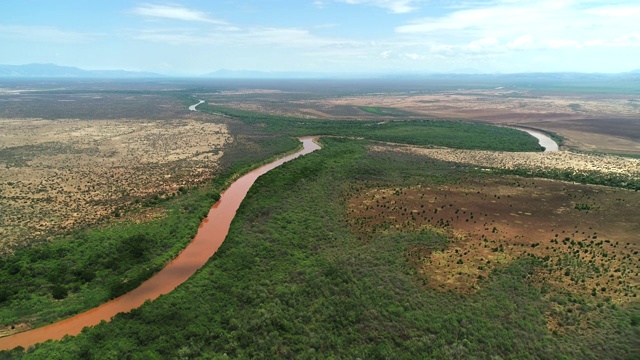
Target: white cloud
x=630, y=40
x=395, y=6
x=238, y=37
x=174, y=12
x=483, y=44
x=48, y=34
x=553, y=24
x=619, y=12
x=522, y=42
x=560, y=43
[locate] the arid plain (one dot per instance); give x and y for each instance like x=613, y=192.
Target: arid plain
x=59, y=175
x=597, y=122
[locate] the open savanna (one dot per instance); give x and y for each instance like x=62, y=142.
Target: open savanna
x=59, y=175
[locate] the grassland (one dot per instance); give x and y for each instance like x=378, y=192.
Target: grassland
x=598, y=169
x=383, y=111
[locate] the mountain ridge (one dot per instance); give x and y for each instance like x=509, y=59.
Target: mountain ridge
x=35, y=70
x=46, y=70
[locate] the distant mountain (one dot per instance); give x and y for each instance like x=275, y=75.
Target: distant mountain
x=57, y=71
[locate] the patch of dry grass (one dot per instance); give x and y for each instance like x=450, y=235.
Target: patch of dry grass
x=57, y=175
x=585, y=236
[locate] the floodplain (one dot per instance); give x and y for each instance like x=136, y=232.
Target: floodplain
x=417, y=231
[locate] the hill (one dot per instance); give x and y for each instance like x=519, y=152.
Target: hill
x=52, y=70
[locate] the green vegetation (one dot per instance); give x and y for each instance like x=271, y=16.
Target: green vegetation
x=454, y=134
x=43, y=283
x=583, y=207
x=88, y=267
x=292, y=280
x=583, y=177
x=383, y=111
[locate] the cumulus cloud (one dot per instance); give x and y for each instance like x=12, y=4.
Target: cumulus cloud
x=553, y=24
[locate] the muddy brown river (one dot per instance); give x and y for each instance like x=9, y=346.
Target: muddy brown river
x=210, y=236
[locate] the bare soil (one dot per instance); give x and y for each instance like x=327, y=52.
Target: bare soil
x=585, y=236
x=57, y=175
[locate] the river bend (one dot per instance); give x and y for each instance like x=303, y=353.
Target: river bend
x=545, y=141
x=211, y=234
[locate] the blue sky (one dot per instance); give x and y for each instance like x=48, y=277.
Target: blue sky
x=192, y=37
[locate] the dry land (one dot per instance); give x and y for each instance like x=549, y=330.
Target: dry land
x=58, y=175
x=561, y=160
x=589, y=122
x=586, y=235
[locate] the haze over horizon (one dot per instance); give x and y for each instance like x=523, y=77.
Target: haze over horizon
x=194, y=37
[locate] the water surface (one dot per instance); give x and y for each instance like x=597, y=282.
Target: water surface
x=544, y=140
x=210, y=236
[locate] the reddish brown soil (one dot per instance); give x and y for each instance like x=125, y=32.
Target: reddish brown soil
x=587, y=236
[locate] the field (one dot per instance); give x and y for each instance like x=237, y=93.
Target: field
x=413, y=232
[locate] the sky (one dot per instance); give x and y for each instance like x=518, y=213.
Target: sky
x=193, y=37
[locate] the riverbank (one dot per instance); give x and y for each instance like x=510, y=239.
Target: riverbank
x=210, y=236
x=292, y=280
x=545, y=141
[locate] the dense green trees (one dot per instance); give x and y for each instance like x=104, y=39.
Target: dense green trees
x=45, y=282
x=453, y=134
x=291, y=280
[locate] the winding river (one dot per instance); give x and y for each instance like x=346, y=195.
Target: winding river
x=544, y=140
x=193, y=107
x=211, y=234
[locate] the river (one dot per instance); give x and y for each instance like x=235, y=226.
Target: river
x=211, y=234
x=193, y=107
x=544, y=141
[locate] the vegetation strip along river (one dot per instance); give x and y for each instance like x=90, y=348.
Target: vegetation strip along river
x=211, y=234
